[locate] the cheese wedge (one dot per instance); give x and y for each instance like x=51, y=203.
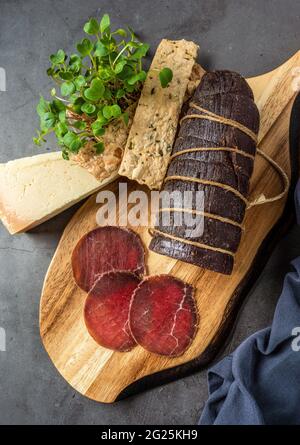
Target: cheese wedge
x=34, y=189
x=154, y=126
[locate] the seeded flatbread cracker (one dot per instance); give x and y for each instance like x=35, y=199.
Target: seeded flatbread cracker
x=154, y=126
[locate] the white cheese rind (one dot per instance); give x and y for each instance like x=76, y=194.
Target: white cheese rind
x=153, y=131
x=34, y=189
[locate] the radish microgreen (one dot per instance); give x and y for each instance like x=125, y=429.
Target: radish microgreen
x=94, y=86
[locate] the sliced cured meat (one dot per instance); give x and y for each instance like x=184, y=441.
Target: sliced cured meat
x=105, y=249
x=163, y=315
x=106, y=310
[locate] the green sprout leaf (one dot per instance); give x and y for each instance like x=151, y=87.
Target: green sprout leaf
x=80, y=125
x=62, y=116
x=100, y=49
x=57, y=106
x=58, y=58
x=67, y=88
x=140, y=77
x=40, y=138
x=99, y=147
x=96, y=90
x=75, y=63
x=116, y=111
x=120, y=93
x=61, y=130
x=73, y=98
x=37, y=141
x=65, y=155
x=121, y=32
x=165, y=77
x=120, y=65
x=107, y=112
x=66, y=75
x=110, y=111
x=72, y=141
x=48, y=120
x=141, y=51
x=98, y=129
x=88, y=108
x=105, y=23
x=125, y=117
x=42, y=107
x=126, y=73
x=77, y=104
x=101, y=119
x=50, y=71
x=85, y=47
x=91, y=27
x=80, y=81
x=107, y=94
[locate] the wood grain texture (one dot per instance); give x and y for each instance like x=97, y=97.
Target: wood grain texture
x=103, y=375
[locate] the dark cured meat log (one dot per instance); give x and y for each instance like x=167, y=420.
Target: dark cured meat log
x=106, y=310
x=163, y=315
x=105, y=249
x=226, y=94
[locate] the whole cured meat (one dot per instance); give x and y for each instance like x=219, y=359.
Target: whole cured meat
x=163, y=315
x=222, y=169
x=106, y=310
x=105, y=249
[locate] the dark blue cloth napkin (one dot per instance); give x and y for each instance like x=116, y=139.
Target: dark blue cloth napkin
x=259, y=383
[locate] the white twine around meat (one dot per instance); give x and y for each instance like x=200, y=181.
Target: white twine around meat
x=154, y=231
x=209, y=115
x=202, y=213
x=258, y=201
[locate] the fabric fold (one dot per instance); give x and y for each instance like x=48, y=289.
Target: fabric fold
x=259, y=383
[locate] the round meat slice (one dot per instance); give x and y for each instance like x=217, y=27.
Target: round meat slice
x=106, y=310
x=105, y=249
x=163, y=315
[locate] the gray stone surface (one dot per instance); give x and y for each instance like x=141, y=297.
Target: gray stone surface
x=251, y=37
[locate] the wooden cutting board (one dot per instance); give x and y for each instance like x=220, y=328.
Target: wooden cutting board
x=104, y=375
